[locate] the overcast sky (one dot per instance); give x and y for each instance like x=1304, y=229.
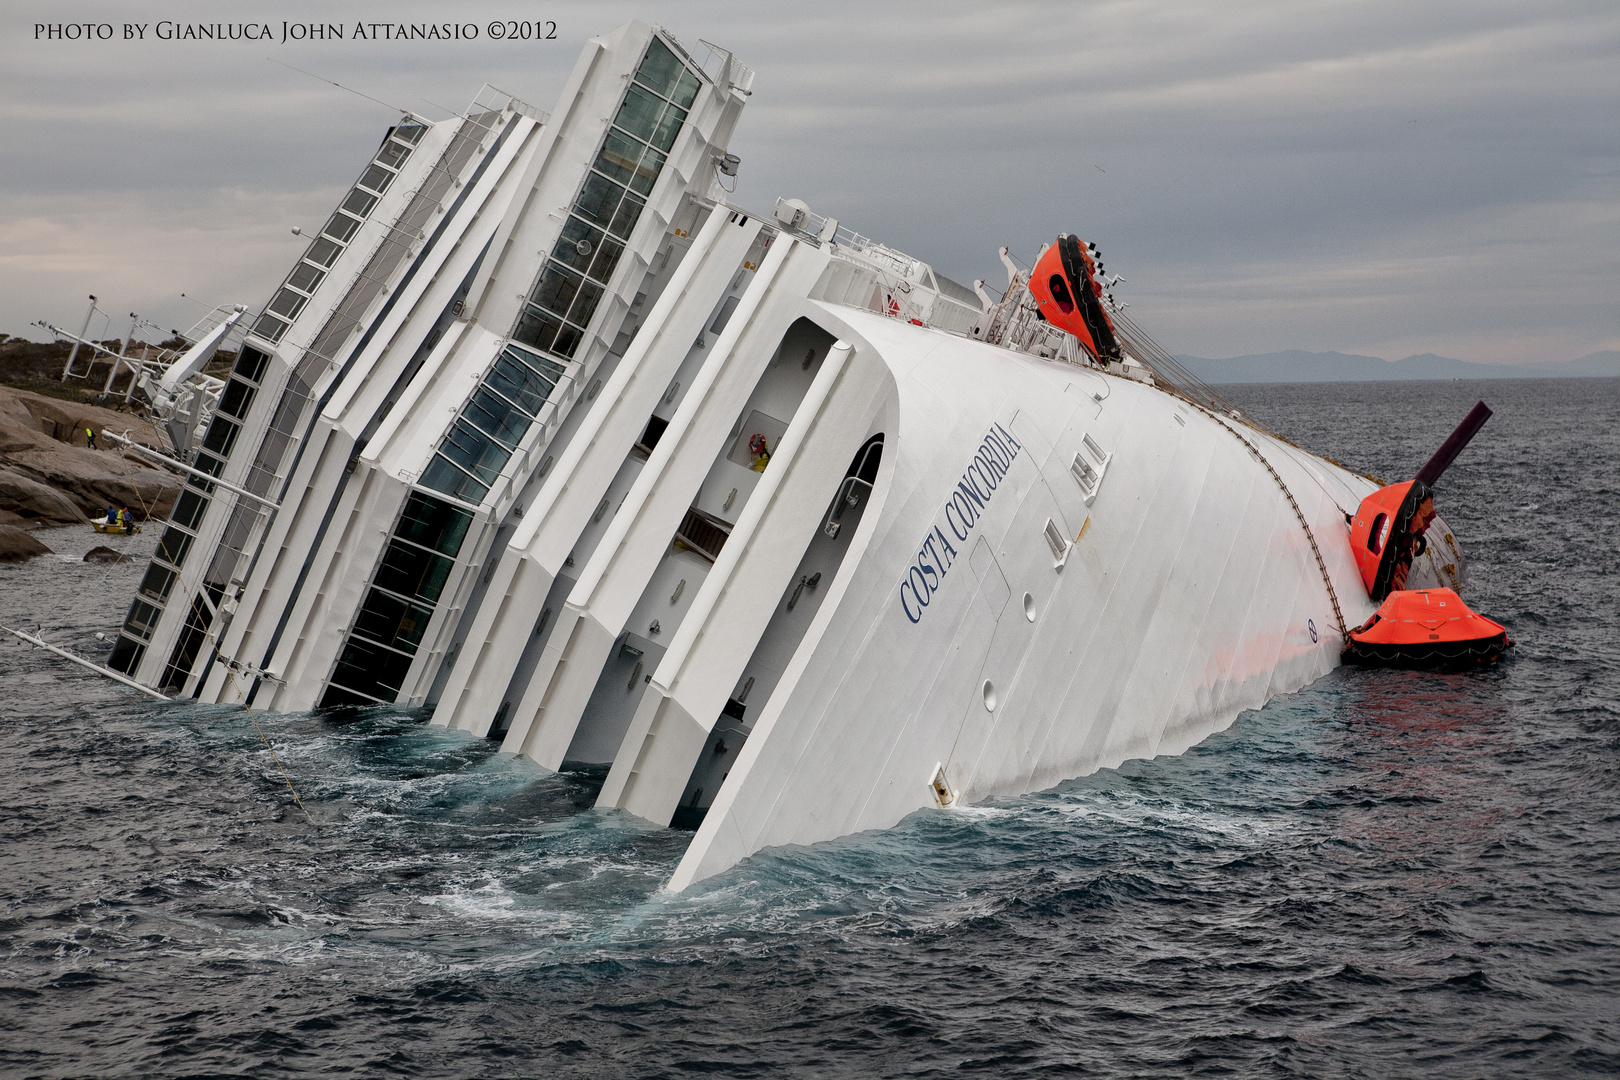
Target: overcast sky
x=1373, y=177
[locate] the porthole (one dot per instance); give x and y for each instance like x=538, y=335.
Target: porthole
x=1029, y=607
x=989, y=695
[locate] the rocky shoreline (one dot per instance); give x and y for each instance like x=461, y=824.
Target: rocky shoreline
x=50, y=476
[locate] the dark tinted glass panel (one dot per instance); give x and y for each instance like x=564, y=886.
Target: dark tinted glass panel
x=270, y=328
x=433, y=523
x=585, y=303
x=686, y=89
x=173, y=547
x=377, y=178
x=142, y=618
x=537, y=328
x=359, y=203
x=497, y=418
x=625, y=219
x=157, y=582
x=619, y=157
x=647, y=174
x=392, y=621
x=221, y=436
x=341, y=227
x=188, y=509
x=392, y=153
x=410, y=131
x=338, y=695
x=288, y=304
x=250, y=363
x=440, y=475
x=568, y=339
x=126, y=655
x=549, y=368
x=306, y=277
x=557, y=286
x=410, y=571
x=236, y=399
x=577, y=246
x=323, y=252
x=474, y=451
x=606, y=260
x=517, y=383
x=370, y=670
x=210, y=465
x=660, y=68
x=598, y=199
x=669, y=126
x=639, y=113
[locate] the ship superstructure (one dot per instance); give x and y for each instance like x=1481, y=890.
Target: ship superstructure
x=790, y=532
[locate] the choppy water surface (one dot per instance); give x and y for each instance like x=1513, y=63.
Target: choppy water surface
x=1387, y=874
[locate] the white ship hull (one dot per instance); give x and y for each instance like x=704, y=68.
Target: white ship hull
x=770, y=533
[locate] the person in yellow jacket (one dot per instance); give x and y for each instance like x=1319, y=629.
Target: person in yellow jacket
x=89, y=433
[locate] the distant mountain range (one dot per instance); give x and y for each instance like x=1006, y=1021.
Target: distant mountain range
x=1296, y=366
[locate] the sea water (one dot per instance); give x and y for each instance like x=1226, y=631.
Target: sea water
x=1386, y=874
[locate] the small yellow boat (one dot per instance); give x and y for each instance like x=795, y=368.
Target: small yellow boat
x=103, y=526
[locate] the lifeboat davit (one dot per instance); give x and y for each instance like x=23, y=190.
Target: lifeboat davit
x=1386, y=532
x=1064, y=284
x=1426, y=628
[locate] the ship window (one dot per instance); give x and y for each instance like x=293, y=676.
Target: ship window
x=590, y=294
x=606, y=260
x=660, y=68
x=250, y=363
x=157, y=582
x=442, y=476
x=237, y=399
x=619, y=157
x=558, y=286
x=656, y=425
x=500, y=419
x=411, y=571
x=686, y=89
x=652, y=163
x=126, y=655
x=269, y=327
x=210, y=465
x=433, y=524
x=188, y=509
x=370, y=670
x=668, y=127
x=537, y=328
x=576, y=247
x=639, y=113
x=376, y=178
x=392, y=154
x=410, y=131
x=173, y=547
x=305, y=277
x=598, y=200
x=518, y=383
x=700, y=533
x=474, y=451
x=323, y=252
x=724, y=315
x=359, y=203
x=221, y=436
x=628, y=213
x=392, y=621
x=288, y=304
x=568, y=339
x=143, y=618
x=341, y=227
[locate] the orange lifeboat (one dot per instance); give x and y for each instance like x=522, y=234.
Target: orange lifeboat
x=1386, y=534
x=1065, y=288
x=1426, y=628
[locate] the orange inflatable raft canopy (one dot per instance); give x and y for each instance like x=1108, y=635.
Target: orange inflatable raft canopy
x=1426, y=628
x=1066, y=292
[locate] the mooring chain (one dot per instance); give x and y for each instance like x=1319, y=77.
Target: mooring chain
x=1321, y=565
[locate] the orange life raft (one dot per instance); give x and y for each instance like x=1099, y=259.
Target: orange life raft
x=1065, y=288
x=1426, y=628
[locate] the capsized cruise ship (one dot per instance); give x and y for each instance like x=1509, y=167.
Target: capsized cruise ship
x=789, y=532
